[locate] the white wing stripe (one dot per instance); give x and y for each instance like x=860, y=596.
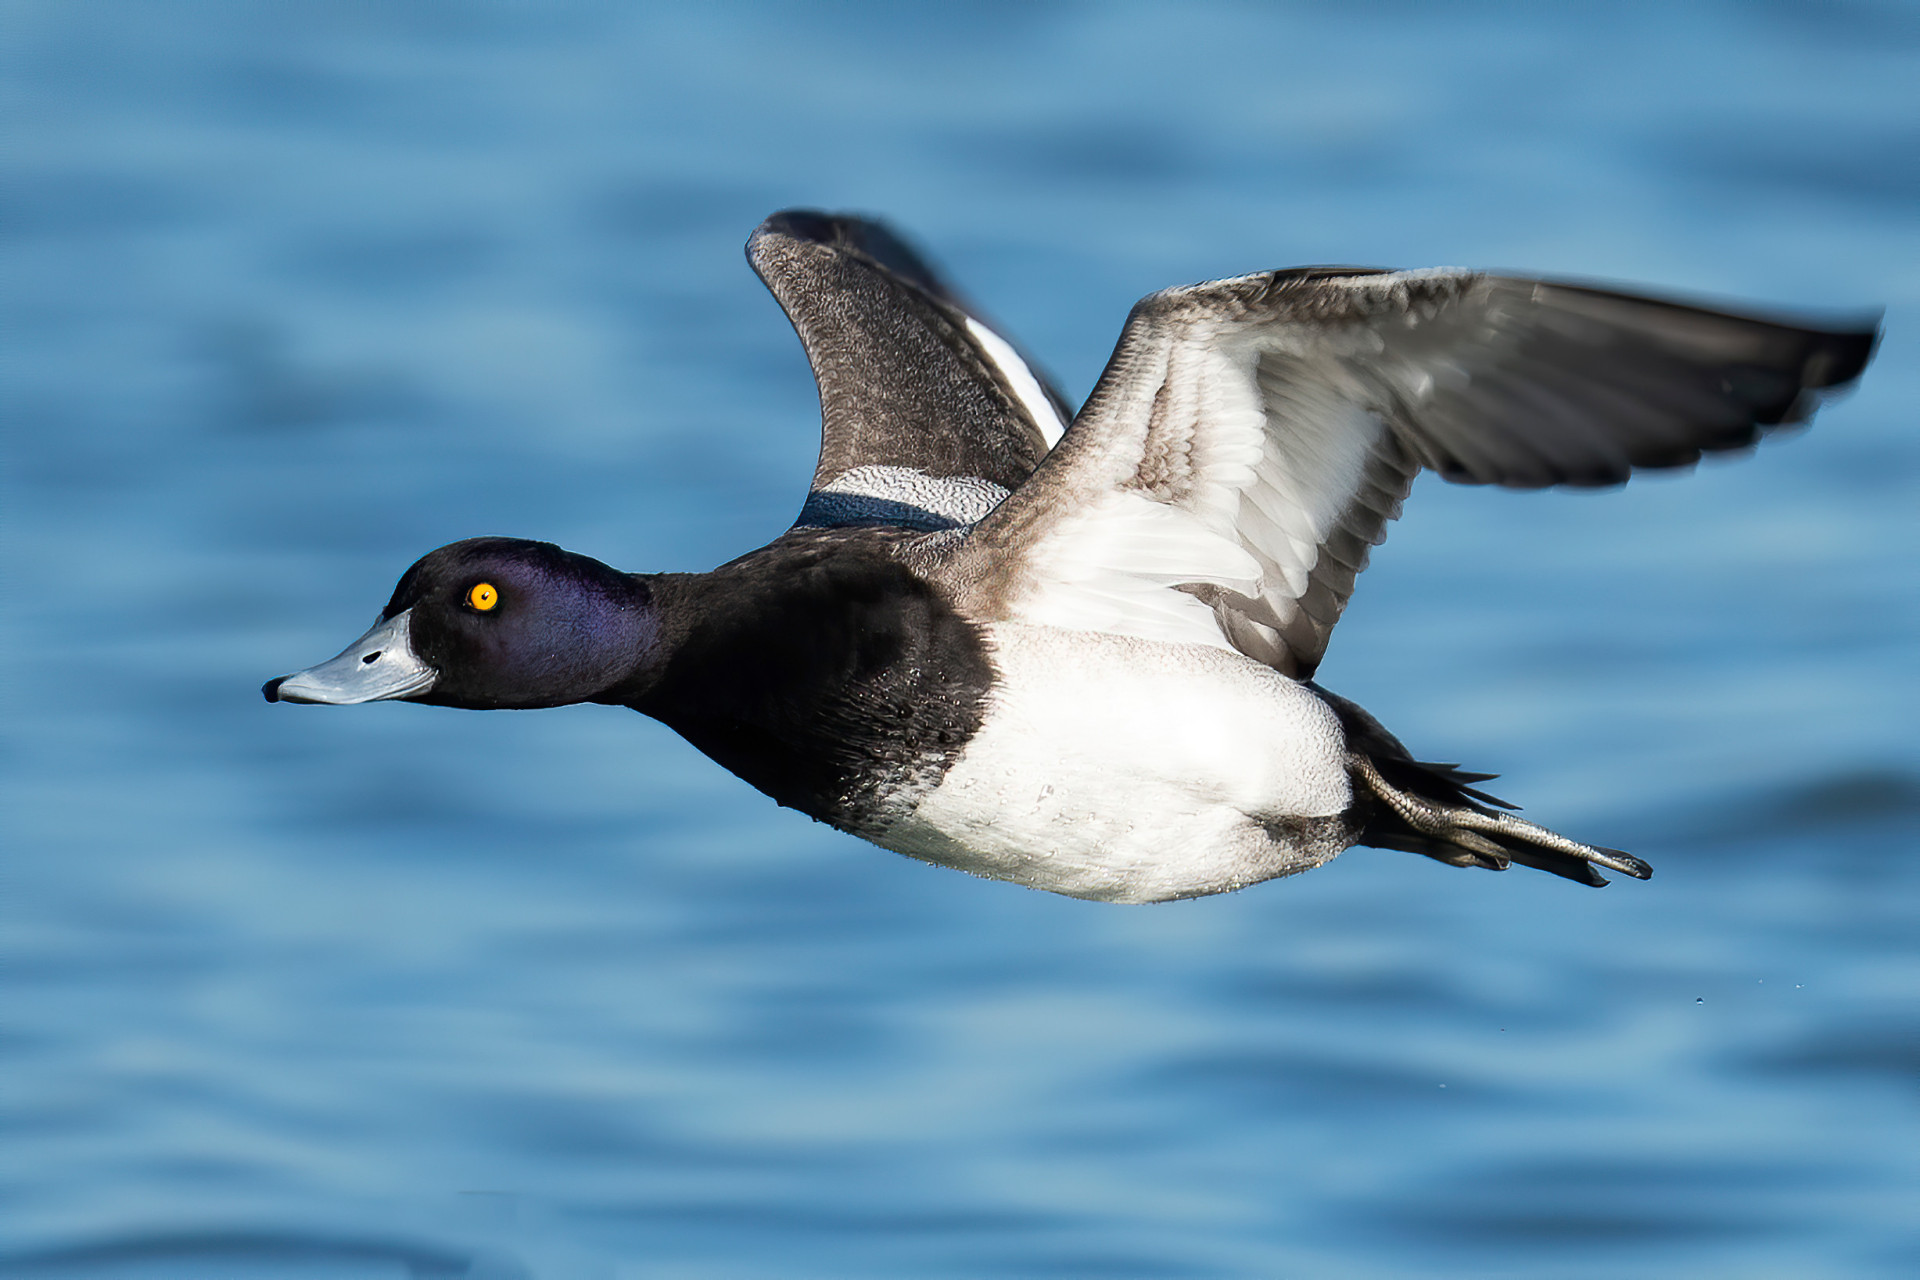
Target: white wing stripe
x=900, y=495
x=1025, y=386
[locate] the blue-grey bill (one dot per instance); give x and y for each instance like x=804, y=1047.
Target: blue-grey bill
x=380, y=664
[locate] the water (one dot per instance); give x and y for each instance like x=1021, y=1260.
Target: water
x=297, y=292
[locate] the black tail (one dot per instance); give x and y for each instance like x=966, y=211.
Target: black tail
x=1434, y=810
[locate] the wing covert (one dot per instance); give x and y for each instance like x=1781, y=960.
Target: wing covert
x=928, y=417
x=1251, y=439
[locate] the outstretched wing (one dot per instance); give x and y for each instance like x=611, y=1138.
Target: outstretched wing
x=928, y=417
x=1251, y=438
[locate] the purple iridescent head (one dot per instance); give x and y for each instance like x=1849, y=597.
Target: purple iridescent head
x=492, y=622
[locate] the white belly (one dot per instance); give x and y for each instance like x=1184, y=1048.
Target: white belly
x=1131, y=770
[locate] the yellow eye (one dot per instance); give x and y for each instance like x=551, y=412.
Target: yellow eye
x=483, y=597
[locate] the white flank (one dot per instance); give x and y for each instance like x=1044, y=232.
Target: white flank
x=1129, y=771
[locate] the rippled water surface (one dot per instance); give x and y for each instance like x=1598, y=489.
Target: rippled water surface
x=298, y=291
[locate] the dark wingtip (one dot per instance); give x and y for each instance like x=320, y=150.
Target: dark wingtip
x=1842, y=356
x=1833, y=362
x=802, y=224
x=271, y=689
x=850, y=232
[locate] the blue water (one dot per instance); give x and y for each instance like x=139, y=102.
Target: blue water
x=296, y=292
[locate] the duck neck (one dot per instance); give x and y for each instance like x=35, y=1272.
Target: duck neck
x=636, y=645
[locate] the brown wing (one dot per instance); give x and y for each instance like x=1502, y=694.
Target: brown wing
x=915, y=389
x=1251, y=438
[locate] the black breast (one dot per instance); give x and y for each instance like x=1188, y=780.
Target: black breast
x=823, y=672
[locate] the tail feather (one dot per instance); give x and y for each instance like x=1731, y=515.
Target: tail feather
x=1449, y=781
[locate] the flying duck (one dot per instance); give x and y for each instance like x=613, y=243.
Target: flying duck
x=1076, y=650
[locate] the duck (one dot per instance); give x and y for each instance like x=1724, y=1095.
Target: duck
x=1076, y=650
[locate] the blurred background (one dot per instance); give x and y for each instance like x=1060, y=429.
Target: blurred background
x=297, y=292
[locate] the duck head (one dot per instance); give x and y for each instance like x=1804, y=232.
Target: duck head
x=491, y=623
